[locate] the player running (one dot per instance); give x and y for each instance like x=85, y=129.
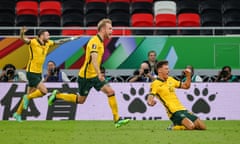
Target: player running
x=90, y=74
x=164, y=89
x=38, y=49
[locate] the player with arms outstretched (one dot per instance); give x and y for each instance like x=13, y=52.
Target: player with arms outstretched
x=90, y=74
x=38, y=49
x=163, y=88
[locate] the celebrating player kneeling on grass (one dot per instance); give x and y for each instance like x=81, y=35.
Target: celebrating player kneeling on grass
x=90, y=74
x=38, y=49
x=163, y=88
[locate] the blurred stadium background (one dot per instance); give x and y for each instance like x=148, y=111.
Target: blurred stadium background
x=202, y=33
x=205, y=31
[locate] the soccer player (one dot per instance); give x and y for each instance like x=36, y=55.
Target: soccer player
x=163, y=88
x=38, y=49
x=90, y=74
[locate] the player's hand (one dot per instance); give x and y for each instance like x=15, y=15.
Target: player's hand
x=188, y=72
x=101, y=77
x=24, y=29
x=151, y=101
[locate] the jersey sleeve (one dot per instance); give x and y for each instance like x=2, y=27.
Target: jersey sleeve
x=51, y=43
x=93, y=46
x=153, y=89
x=177, y=83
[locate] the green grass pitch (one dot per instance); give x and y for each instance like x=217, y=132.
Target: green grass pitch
x=104, y=132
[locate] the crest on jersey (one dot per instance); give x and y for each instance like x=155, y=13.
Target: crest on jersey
x=94, y=46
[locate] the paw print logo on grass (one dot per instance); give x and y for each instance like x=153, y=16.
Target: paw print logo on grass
x=201, y=99
x=136, y=98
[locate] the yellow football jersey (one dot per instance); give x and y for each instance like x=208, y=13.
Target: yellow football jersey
x=165, y=92
x=37, y=55
x=95, y=44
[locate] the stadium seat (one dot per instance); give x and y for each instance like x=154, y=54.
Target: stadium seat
x=211, y=19
x=90, y=1
x=119, y=7
x=27, y=8
x=7, y=6
x=73, y=6
x=189, y=20
x=142, y=20
x=50, y=0
x=165, y=7
x=166, y=20
x=187, y=6
x=51, y=21
x=7, y=19
x=142, y=7
x=91, y=31
x=50, y=8
x=28, y=0
x=120, y=31
x=93, y=18
x=231, y=6
x=210, y=6
x=120, y=19
x=149, y=1
x=231, y=19
x=96, y=7
x=126, y=1
x=27, y=20
x=72, y=19
x=72, y=31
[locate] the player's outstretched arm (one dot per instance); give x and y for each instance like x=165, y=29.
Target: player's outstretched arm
x=187, y=83
x=150, y=100
x=22, y=35
x=61, y=41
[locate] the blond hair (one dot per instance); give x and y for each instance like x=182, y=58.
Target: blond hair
x=103, y=23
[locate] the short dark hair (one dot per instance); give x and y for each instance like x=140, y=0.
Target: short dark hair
x=50, y=61
x=161, y=63
x=40, y=32
x=9, y=66
x=152, y=51
x=191, y=68
x=227, y=67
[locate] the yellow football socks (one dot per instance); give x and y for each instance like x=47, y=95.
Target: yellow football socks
x=20, y=108
x=67, y=97
x=179, y=127
x=113, y=105
x=35, y=94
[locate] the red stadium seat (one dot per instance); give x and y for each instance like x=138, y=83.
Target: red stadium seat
x=72, y=32
x=188, y=20
x=142, y=20
x=118, y=31
x=50, y=8
x=27, y=8
x=91, y=31
x=166, y=20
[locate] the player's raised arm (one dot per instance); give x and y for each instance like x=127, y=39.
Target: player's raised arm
x=187, y=83
x=61, y=41
x=22, y=35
